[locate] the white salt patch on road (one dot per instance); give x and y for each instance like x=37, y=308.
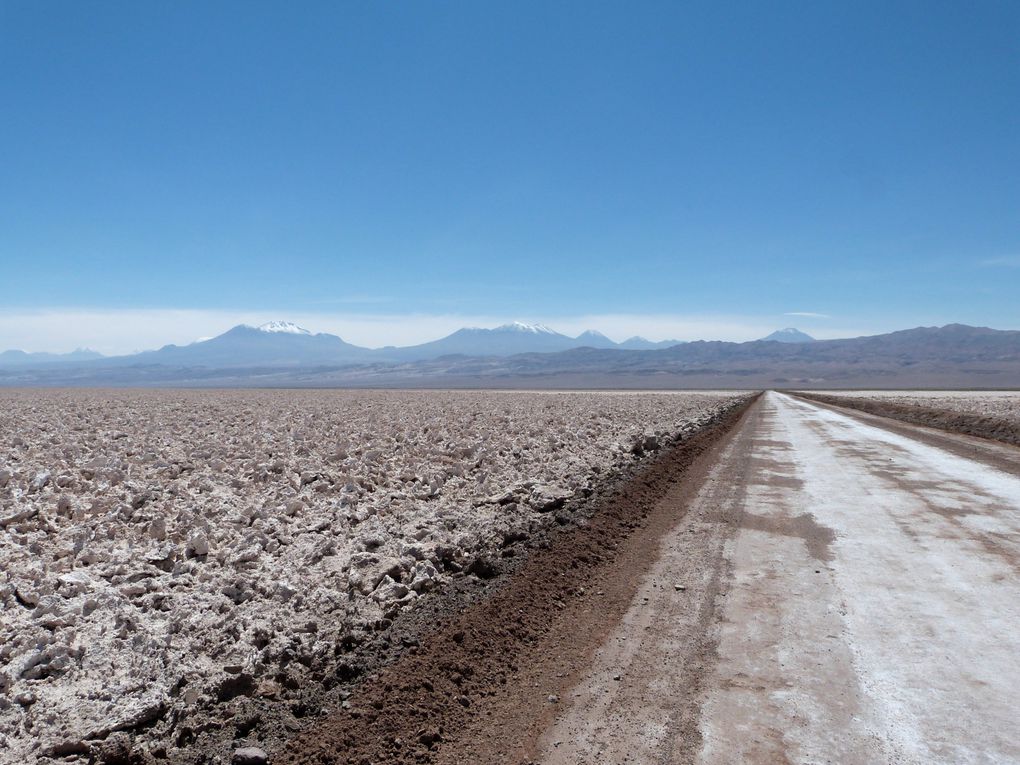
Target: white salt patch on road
x=930, y=462
x=926, y=600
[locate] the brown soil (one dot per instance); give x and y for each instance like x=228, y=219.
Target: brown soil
x=992, y=428
x=639, y=697
x=486, y=681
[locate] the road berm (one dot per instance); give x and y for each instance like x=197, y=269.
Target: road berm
x=482, y=687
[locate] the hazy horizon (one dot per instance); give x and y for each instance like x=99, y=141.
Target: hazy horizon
x=126, y=332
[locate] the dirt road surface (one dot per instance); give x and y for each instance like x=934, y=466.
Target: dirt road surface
x=863, y=606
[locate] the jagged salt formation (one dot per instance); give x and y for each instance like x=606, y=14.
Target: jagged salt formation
x=164, y=550
x=1004, y=404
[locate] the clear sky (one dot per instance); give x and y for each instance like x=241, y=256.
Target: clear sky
x=386, y=170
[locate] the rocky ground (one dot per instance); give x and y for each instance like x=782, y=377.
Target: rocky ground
x=988, y=414
x=174, y=562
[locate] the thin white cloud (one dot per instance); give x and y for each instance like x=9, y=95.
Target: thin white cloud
x=118, y=331
x=808, y=314
x=1005, y=261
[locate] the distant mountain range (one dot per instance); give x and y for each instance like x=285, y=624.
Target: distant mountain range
x=530, y=356
x=282, y=343
x=514, y=338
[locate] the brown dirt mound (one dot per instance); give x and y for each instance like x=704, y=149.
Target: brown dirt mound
x=480, y=687
x=992, y=428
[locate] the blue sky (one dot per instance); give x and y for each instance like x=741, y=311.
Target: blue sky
x=387, y=169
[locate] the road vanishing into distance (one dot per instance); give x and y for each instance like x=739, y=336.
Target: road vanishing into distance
x=863, y=607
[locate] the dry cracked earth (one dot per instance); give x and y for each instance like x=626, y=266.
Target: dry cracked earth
x=184, y=573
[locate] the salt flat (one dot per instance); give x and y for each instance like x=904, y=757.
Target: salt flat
x=1003, y=404
x=167, y=555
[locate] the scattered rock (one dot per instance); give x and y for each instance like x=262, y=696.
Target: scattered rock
x=39, y=482
x=503, y=498
x=646, y=442
x=197, y=546
x=547, y=497
x=424, y=576
x=249, y=755
x=115, y=749
x=368, y=570
x=47, y=662
x=139, y=500
x=157, y=529
x=389, y=590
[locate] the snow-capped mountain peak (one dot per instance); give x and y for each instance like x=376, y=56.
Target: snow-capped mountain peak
x=520, y=326
x=790, y=335
x=284, y=327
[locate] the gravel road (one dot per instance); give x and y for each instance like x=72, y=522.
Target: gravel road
x=855, y=601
